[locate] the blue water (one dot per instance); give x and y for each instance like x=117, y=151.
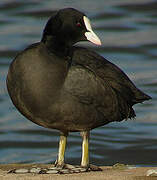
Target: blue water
x=128, y=30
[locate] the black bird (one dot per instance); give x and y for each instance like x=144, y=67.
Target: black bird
x=60, y=86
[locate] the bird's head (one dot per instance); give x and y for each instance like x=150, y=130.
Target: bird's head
x=69, y=26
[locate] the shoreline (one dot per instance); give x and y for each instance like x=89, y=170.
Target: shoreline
x=116, y=172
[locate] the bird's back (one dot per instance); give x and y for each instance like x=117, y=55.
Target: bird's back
x=110, y=73
x=116, y=86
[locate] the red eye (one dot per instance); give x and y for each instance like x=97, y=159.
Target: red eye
x=78, y=24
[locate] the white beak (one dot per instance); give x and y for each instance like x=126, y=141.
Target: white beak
x=90, y=35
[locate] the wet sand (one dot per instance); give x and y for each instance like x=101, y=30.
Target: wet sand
x=107, y=173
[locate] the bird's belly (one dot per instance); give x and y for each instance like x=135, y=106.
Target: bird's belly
x=62, y=112
x=71, y=107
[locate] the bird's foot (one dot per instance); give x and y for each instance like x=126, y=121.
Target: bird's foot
x=59, y=165
x=64, y=169
x=70, y=168
x=53, y=169
x=56, y=169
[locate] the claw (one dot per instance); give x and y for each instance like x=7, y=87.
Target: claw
x=57, y=165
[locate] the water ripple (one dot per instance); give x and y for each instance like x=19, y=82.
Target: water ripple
x=128, y=33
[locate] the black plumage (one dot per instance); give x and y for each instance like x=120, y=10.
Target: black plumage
x=60, y=86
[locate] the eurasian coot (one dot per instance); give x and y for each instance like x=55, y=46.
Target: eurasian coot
x=60, y=86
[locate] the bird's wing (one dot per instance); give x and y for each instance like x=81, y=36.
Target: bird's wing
x=110, y=74
x=89, y=81
x=85, y=88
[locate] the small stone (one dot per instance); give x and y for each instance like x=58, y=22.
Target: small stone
x=119, y=166
x=83, y=170
x=51, y=172
x=21, y=171
x=12, y=171
x=35, y=170
x=79, y=168
x=69, y=166
x=43, y=171
x=64, y=171
x=152, y=172
x=58, y=168
x=131, y=167
x=71, y=171
x=76, y=170
x=94, y=168
x=52, y=168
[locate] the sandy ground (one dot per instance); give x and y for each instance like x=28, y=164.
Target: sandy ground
x=108, y=173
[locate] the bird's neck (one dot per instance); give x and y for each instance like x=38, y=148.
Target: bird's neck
x=57, y=46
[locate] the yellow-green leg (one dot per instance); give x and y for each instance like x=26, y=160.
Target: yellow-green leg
x=85, y=153
x=62, y=145
x=85, y=149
